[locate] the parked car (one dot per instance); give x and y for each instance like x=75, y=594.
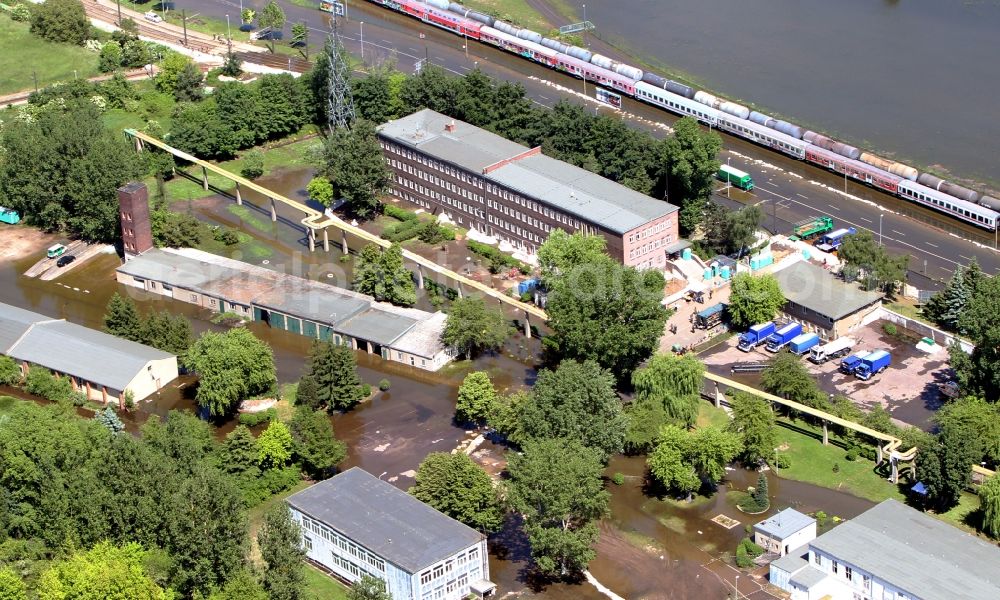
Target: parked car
x=152, y=17
x=65, y=260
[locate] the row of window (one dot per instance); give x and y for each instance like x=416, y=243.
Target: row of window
x=645, y=233
x=943, y=205
x=866, y=581
x=376, y=564
x=430, y=162
x=446, y=567
x=446, y=589
x=645, y=249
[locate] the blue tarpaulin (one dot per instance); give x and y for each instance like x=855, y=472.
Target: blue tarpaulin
x=920, y=488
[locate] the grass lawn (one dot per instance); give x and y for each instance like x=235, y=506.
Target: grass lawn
x=517, y=12
x=22, y=54
x=708, y=416
x=7, y=404
x=320, y=586
x=294, y=154
x=813, y=462
x=966, y=514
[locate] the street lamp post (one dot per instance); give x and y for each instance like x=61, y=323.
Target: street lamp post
x=584, y=24
x=229, y=32
x=362, y=25
x=880, y=229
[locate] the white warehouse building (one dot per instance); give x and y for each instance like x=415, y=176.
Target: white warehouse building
x=355, y=524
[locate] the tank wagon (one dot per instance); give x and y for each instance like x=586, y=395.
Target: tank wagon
x=782, y=136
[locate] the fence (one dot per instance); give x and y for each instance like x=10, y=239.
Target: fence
x=940, y=337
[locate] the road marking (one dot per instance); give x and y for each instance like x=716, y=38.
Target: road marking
x=414, y=49
x=387, y=42
x=930, y=244
x=897, y=232
x=833, y=207
x=965, y=257
x=544, y=97
x=801, y=196
x=866, y=220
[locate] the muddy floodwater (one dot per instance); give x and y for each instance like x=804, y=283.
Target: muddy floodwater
x=916, y=80
x=649, y=548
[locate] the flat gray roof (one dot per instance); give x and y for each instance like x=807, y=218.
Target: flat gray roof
x=784, y=523
x=808, y=577
x=346, y=311
x=75, y=350
x=817, y=289
x=793, y=561
x=561, y=185
x=384, y=519
x=924, y=556
x=15, y=322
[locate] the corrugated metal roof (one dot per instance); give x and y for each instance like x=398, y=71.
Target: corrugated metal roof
x=76, y=350
x=377, y=326
x=568, y=188
x=14, y=322
x=384, y=519
x=916, y=553
x=813, y=287
x=785, y=523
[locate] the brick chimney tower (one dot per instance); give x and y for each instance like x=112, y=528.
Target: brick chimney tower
x=137, y=232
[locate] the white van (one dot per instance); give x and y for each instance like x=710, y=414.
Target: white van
x=153, y=17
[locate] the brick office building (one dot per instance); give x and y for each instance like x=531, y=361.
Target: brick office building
x=518, y=194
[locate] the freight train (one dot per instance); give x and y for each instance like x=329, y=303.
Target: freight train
x=788, y=138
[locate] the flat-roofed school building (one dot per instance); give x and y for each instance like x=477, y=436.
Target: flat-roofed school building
x=354, y=524
x=517, y=194
x=100, y=365
x=823, y=303
x=295, y=304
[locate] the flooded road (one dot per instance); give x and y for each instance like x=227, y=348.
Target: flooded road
x=914, y=80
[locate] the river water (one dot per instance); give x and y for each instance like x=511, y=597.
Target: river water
x=916, y=80
x=648, y=548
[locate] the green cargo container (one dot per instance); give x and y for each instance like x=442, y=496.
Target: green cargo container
x=735, y=177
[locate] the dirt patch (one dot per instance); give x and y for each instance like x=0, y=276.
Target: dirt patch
x=17, y=242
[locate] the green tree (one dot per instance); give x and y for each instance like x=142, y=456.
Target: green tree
x=476, y=397
x=188, y=86
x=455, y=485
x=382, y=274
x=368, y=588
x=556, y=485
x=10, y=372
x=355, y=165
x=61, y=170
x=314, y=442
x=710, y=449
x=274, y=446
x=979, y=373
x=787, y=377
x=183, y=438
x=232, y=66
x=241, y=586
x=109, y=418
x=273, y=17
x=880, y=269
x=253, y=164
x=430, y=88
x=333, y=369
x=563, y=253
x=760, y=493
x=41, y=382
x=321, y=190
x=472, y=328
x=689, y=164
x=282, y=109
x=300, y=38
x=171, y=67
x=673, y=382
x=62, y=21
x=122, y=318
x=307, y=393
x=206, y=531
x=11, y=585
x=989, y=497
x=576, y=401
x=682, y=460
x=280, y=541
x=608, y=313
x=238, y=453
x=645, y=418
x=753, y=420
x=754, y=299
x=974, y=415
x=945, y=307
x=372, y=97
x=945, y=467
x=730, y=232
x=505, y=415
x=232, y=367
x=105, y=572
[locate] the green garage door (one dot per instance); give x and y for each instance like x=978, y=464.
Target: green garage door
x=309, y=329
x=277, y=320
x=294, y=325
x=325, y=332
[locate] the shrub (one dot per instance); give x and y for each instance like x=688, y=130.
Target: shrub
x=42, y=383
x=256, y=418
x=10, y=373
x=781, y=461
x=743, y=560
x=890, y=329
x=498, y=260
x=402, y=231
x=384, y=385
x=253, y=164
x=618, y=479
x=852, y=454
x=226, y=235
x=366, y=391
x=400, y=214
x=433, y=233
x=20, y=12
x=836, y=467
x=751, y=548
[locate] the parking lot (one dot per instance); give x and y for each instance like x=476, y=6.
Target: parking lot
x=908, y=389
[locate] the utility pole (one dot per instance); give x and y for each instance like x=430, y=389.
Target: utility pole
x=184, y=21
x=362, y=25
x=34, y=76
x=880, y=229
x=119, y=2
x=339, y=103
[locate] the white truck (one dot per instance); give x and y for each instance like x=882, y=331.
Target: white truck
x=830, y=350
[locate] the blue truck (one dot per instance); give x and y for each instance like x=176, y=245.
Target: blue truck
x=831, y=241
x=755, y=336
x=802, y=343
x=780, y=338
x=872, y=365
x=851, y=362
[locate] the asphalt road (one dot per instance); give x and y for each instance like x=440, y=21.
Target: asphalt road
x=788, y=190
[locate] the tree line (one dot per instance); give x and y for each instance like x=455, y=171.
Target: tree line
x=95, y=512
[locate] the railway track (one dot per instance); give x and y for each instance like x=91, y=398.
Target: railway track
x=197, y=41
